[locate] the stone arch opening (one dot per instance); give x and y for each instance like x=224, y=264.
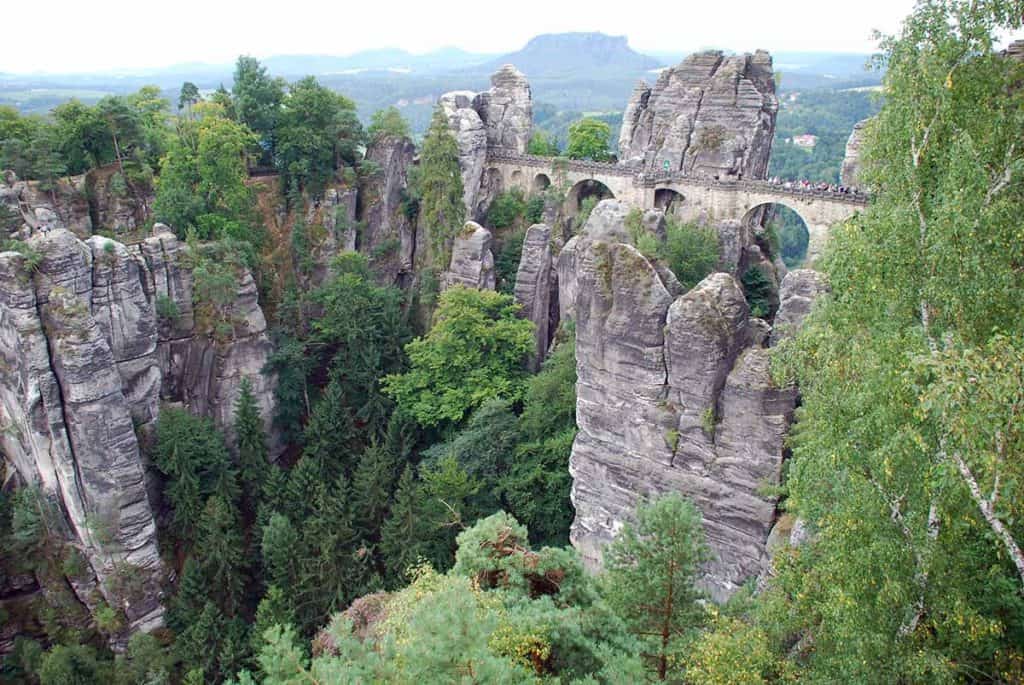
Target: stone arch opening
x=587, y=192
x=517, y=179
x=541, y=182
x=668, y=200
x=787, y=232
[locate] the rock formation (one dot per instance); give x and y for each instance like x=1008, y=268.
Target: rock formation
x=850, y=171
x=92, y=335
x=800, y=288
x=472, y=263
x=388, y=235
x=499, y=118
x=674, y=395
x=536, y=288
x=711, y=114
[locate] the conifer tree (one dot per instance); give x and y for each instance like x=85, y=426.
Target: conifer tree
x=275, y=609
x=403, y=532
x=221, y=555
x=372, y=486
x=442, y=210
x=251, y=443
x=281, y=552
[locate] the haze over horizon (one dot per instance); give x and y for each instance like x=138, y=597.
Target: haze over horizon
x=83, y=39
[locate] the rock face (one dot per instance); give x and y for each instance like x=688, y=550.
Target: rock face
x=65, y=206
x=850, y=171
x=507, y=110
x=711, y=115
x=537, y=288
x=472, y=262
x=90, y=341
x=674, y=395
x=499, y=118
x=388, y=235
x=800, y=288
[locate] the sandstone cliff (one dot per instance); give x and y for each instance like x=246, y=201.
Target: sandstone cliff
x=388, y=233
x=92, y=336
x=711, y=114
x=849, y=174
x=499, y=118
x=674, y=394
x=472, y=263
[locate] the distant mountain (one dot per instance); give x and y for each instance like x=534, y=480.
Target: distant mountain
x=556, y=55
x=386, y=59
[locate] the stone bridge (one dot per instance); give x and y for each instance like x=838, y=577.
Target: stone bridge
x=688, y=197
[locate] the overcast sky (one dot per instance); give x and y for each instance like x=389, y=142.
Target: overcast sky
x=88, y=35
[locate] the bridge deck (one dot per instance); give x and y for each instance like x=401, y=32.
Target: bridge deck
x=647, y=180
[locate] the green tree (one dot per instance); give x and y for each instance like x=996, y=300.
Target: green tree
x=257, y=100
x=442, y=210
x=372, y=486
x=651, y=572
x=476, y=351
x=405, y=530
x=387, y=122
x=910, y=378
x=251, y=443
x=187, y=97
x=543, y=145
x=219, y=549
x=588, y=139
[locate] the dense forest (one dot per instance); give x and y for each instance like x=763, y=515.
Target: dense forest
x=415, y=528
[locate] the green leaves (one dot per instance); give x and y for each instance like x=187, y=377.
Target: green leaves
x=475, y=352
x=442, y=210
x=588, y=139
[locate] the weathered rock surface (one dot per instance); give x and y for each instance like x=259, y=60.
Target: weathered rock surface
x=849, y=173
x=674, y=395
x=471, y=136
x=65, y=206
x=388, y=236
x=499, y=118
x=86, y=357
x=507, y=110
x=711, y=115
x=472, y=262
x=537, y=288
x=800, y=288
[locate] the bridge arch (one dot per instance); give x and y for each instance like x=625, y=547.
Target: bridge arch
x=791, y=229
x=517, y=179
x=541, y=182
x=668, y=200
x=585, y=189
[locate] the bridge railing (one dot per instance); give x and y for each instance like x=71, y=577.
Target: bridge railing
x=650, y=180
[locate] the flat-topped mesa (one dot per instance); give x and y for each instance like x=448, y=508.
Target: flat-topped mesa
x=497, y=119
x=673, y=395
x=711, y=115
x=92, y=337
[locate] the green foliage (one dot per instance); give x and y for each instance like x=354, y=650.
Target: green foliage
x=732, y=651
x=691, y=251
x=909, y=377
x=474, y=352
x=317, y=129
x=191, y=454
x=506, y=263
x=257, y=100
x=250, y=443
x=758, y=291
x=71, y=665
x=221, y=555
x=793, y=235
x=507, y=208
x=543, y=145
x=589, y=139
x=651, y=572
x=388, y=122
x=441, y=208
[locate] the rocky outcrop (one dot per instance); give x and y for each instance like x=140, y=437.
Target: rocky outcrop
x=472, y=263
x=674, y=395
x=507, y=110
x=62, y=206
x=388, y=234
x=800, y=288
x=92, y=336
x=710, y=115
x=849, y=173
x=499, y=118
x=536, y=288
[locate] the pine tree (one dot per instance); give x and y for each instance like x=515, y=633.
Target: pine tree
x=330, y=434
x=404, y=531
x=221, y=554
x=198, y=645
x=281, y=552
x=251, y=443
x=651, y=572
x=275, y=609
x=442, y=210
x=188, y=601
x=372, y=487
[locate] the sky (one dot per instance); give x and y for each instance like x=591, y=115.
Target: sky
x=98, y=35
